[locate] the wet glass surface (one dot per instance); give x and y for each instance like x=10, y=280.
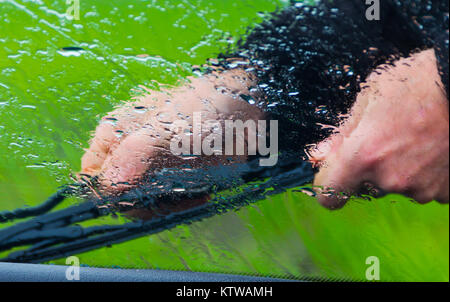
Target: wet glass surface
x=58, y=77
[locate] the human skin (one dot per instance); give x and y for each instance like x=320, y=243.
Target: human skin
x=396, y=137
x=144, y=125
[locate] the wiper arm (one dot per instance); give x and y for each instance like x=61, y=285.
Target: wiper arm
x=54, y=234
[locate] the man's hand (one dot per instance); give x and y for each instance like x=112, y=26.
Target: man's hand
x=396, y=139
x=135, y=138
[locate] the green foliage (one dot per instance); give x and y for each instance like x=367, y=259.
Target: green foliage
x=51, y=100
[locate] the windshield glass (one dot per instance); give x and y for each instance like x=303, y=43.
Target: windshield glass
x=65, y=69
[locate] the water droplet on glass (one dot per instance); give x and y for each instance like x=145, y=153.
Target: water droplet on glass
x=140, y=109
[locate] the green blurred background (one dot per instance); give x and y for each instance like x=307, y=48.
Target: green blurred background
x=51, y=101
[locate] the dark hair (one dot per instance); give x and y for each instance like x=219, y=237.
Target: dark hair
x=311, y=60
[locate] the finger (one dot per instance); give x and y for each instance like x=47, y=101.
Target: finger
x=130, y=160
x=100, y=145
x=334, y=184
x=113, y=128
x=342, y=173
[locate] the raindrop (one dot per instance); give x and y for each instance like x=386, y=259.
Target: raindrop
x=140, y=109
x=110, y=120
x=72, y=48
x=307, y=191
x=118, y=133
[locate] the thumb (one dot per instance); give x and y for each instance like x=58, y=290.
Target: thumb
x=341, y=172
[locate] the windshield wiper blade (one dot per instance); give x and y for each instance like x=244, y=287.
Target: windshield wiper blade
x=45, y=207
x=54, y=235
